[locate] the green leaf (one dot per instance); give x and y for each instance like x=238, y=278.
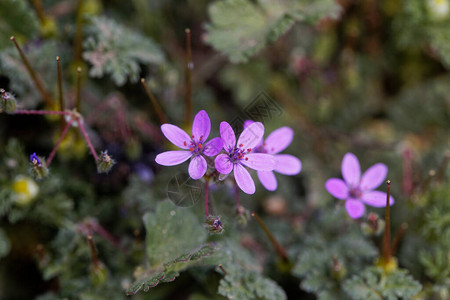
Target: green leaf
x=117, y=51
x=171, y=270
x=241, y=28
x=171, y=231
x=374, y=284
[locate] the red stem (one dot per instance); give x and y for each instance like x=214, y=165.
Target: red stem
x=42, y=112
x=387, y=230
x=88, y=140
x=63, y=134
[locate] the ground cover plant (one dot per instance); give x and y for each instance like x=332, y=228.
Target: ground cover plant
x=226, y=149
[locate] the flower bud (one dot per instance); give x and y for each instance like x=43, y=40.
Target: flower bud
x=242, y=215
x=98, y=274
x=338, y=270
x=373, y=225
x=38, y=167
x=105, y=162
x=214, y=225
x=8, y=102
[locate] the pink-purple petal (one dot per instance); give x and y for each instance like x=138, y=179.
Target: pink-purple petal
x=279, y=140
x=268, y=180
x=251, y=136
x=259, y=161
x=376, y=199
x=228, y=136
x=373, y=177
x=243, y=179
x=172, y=158
x=248, y=123
x=337, y=188
x=355, y=209
x=176, y=135
x=201, y=126
x=213, y=147
x=351, y=170
x=287, y=164
x=197, y=167
x=223, y=164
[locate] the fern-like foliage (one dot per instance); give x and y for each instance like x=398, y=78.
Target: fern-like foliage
x=243, y=279
x=374, y=284
x=240, y=28
x=41, y=55
x=335, y=250
x=116, y=51
x=418, y=23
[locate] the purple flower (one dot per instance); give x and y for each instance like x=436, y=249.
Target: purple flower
x=34, y=159
x=287, y=164
x=239, y=155
x=195, y=146
x=358, y=190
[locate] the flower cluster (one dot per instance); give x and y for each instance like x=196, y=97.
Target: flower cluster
x=231, y=156
x=226, y=155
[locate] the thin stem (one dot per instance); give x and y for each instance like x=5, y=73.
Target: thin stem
x=387, y=231
x=93, y=252
x=87, y=139
x=47, y=99
x=407, y=183
x=39, y=10
x=162, y=118
x=188, y=74
x=42, y=112
x=443, y=168
x=107, y=235
x=60, y=90
x=78, y=91
x=206, y=198
x=398, y=237
x=55, y=148
x=78, y=33
x=280, y=250
x=222, y=269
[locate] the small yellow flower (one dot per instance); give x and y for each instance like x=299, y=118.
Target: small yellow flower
x=25, y=190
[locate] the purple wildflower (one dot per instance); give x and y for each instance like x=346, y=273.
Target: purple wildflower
x=34, y=159
x=240, y=154
x=287, y=164
x=358, y=190
x=195, y=145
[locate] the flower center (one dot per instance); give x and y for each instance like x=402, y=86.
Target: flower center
x=355, y=193
x=239, y=153
x=260, y=149
x=196, y=147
